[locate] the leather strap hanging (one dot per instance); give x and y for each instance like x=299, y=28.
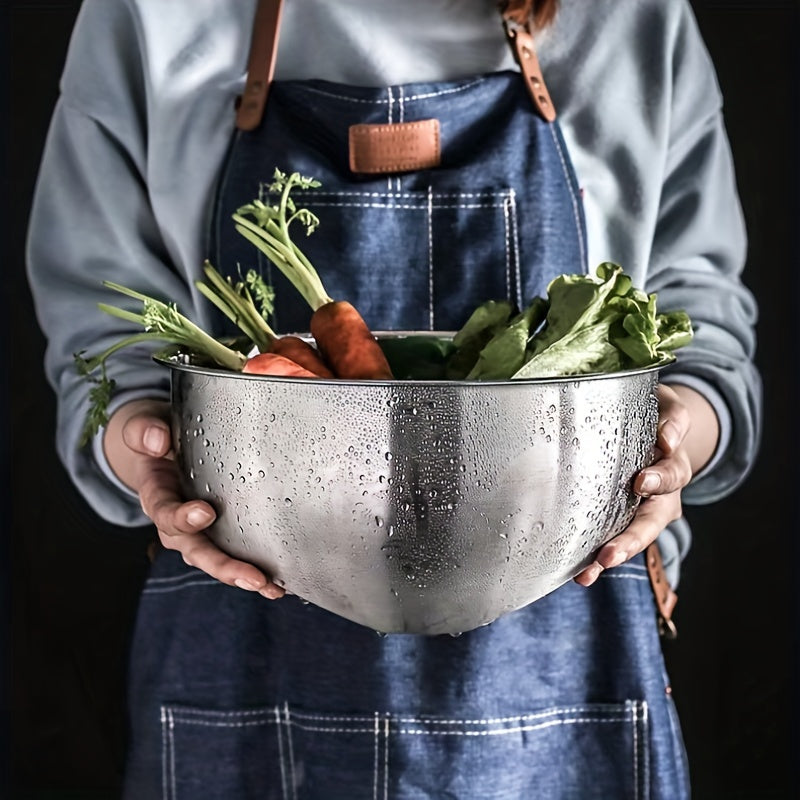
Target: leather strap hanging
x=260, y=65
x=665, y=597
x=521, y=41
x=264, y=49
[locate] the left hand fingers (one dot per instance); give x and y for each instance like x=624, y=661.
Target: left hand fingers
x=660, y=485
x=652, y=516
x=671, y=470
x=669, y=473
x=673, y=420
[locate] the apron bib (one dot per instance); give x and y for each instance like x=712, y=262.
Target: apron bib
x=498, y=218
x=234, y=696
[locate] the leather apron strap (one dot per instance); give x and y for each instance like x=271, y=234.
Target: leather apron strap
x=264, y=48
x=260, y=65
x=521, y=41
x=665, y=596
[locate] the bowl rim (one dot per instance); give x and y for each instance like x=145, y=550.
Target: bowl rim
x=179, y=361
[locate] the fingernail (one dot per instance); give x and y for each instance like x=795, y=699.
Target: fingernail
x=155, y=440
x=198, y=518
x=590, y=574
x=650, y=482
x=271, y=592
x=594, y=571
x=249, y=586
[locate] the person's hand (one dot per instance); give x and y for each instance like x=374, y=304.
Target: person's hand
x=137, y=444
x=678, y=456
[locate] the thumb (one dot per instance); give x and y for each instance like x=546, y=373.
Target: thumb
x=146, y=431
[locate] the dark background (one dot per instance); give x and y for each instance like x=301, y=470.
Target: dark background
x=72, y=584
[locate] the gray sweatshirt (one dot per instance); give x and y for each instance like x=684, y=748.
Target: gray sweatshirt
x=145, y=116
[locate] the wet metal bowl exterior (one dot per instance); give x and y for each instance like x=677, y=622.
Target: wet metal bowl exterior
x=427, y=507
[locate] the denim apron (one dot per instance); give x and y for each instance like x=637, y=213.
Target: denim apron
x=236, y=697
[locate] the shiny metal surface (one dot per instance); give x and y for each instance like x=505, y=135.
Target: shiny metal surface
x=414, y=506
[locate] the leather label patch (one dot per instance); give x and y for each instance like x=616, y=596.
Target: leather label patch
x=394, y=147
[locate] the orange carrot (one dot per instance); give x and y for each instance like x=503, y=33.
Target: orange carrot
x=273, y=364
x=342, y=335
x=347, y=344
x=302, y=353
x=238, y=301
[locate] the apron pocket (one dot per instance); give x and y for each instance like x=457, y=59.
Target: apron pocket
x=587, y=751
x=214, y=754
x=403, y=274
x=559, y=753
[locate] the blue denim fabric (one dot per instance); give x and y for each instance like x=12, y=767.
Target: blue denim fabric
x=499, y=218
x=237, y=697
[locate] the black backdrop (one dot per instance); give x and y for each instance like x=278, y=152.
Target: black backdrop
x=71, y=584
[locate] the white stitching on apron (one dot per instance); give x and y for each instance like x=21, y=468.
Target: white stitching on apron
x=646, y=751
x=364, y=719
x=409, y=206
x=173, y=578
x=265, y=714
x=381, y=730
x=290, y=743
x=635, y=724
x=281, y=759
x=165, y=589
x=503, y=193
x=519, y=729
x=430, y=259
x=378, y=101
x=331, y=718
x=173, y=776
x=206, y=723
x=323, y=729
x=164, y=755
x=386, y=757
x=497, y=720
x=375, y=758
x=512, y=248
x=169, y=761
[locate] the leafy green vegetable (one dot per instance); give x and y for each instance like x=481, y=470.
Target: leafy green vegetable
x=587, y=324
x=247, y=303
x=505, y=352
x=417, y=357
x=162, y=322
x=268, y=230
x=486, y=320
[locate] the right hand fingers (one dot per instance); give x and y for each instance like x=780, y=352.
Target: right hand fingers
x=147, y=432
x=181, y=524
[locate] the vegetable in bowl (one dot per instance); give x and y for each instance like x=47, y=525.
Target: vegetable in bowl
x=586, y=324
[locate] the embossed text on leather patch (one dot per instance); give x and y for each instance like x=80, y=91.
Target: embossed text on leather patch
x=394, y=147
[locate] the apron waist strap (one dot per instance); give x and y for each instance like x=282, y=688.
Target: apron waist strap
x=665, y=596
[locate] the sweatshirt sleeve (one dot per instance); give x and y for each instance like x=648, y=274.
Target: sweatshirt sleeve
x=91, y=220
x=698, y=257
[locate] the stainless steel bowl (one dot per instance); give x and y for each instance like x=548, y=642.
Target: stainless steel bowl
x=424, y=507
